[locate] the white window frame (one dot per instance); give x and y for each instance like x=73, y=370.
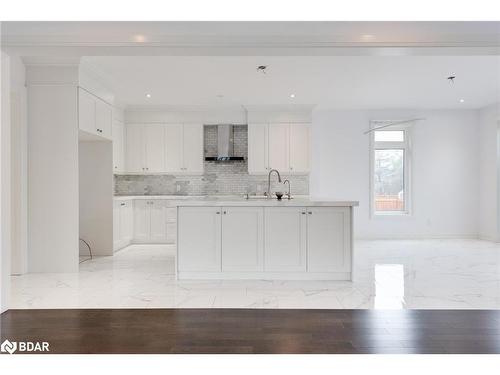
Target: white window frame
x=407, y=182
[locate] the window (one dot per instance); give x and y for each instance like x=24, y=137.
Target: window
x=390, y=161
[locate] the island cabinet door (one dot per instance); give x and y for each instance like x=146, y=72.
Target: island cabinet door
x=242, y=239
x=199, y=239
x=328, y=239
x=285, y=239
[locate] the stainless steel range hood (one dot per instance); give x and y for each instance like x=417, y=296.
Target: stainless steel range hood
x=225, y=144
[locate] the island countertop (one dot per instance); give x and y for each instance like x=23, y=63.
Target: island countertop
x=259, y=202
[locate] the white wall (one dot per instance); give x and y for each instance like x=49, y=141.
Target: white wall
x=444, y=171
x=489, y=118
x=96, y=196
x=149, y=115
x=5, y=216
x=19, y=166
x=52, y=168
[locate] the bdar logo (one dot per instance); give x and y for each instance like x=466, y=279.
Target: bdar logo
x=24, y=346
x=8, y=347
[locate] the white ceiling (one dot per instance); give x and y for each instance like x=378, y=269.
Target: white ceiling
x=347, y=82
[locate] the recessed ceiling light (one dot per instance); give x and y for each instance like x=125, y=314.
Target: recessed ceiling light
x=148, y=96
x=292, y=95
x=139, y=38
x=461, y=100
x=367, y=36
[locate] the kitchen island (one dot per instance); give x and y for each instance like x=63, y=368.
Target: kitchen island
x=295, y=239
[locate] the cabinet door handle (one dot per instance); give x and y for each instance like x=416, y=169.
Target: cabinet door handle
x=225, y=212
x=122, y=204
x=310, y=213
x=303, y=213
x=218, y=212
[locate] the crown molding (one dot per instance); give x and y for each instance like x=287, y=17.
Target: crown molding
x=51, y=60
x=251, y=41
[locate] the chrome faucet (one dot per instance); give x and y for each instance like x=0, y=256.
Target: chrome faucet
x=268, y=193
x=288, y=194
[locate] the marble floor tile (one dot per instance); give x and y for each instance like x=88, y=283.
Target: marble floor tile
x=388, y=274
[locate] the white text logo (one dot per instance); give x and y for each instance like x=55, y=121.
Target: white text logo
x=24, y=346
x=8, y=347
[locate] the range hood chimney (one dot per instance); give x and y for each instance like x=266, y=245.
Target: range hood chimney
x=225, y=144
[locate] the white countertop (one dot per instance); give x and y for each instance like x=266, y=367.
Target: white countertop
x=298, y=202
x=184, y=201
x=150, y=197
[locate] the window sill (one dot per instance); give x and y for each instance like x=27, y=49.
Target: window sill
x=390, y=215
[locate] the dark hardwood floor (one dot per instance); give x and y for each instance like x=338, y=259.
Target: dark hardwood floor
x=256, y=330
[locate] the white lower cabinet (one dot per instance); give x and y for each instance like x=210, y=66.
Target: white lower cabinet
x=242, y=239
x=150, y=221
x=260, y=242
x=142, y=219
x=328, y=239
x=199, y=230
x=122, y=224
x=158, y=221
x=285, y=239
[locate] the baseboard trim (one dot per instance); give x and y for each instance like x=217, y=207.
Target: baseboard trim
x=418, y=237
x=484, y=237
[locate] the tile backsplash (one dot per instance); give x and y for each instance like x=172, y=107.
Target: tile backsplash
x=219, y=178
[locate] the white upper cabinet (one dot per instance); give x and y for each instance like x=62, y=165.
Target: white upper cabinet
x=154, y=139
x=193, y=149
x=170, y=148
x=145, y=148
x=86, y=111
x=299, y=148
x=118, y=146
x=174, y=134
x=134, y=149
x=103, y=118
x=257, y=149
x=284, y=147
x=94, y=115
x=278, y=147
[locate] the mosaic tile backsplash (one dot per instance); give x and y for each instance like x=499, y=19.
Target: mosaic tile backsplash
x=219, y=178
